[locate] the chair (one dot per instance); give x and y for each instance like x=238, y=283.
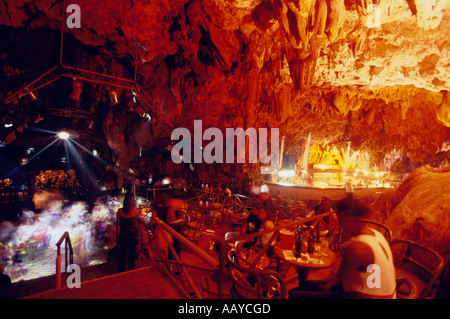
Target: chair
x=195, y=224
x=209, y=289
x=236, y=221
x=383, y=229
x=417, y=269
x=341, y=237
x=214, y=217
x=254, y=283
x=297, y=213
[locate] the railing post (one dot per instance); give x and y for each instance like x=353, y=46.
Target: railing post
x=65, y=255
x=68, y=258
x=58, y=269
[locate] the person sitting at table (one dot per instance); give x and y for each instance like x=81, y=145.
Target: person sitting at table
x=280, y=200
x=268, y=204
x=365, y=248
x=252, y=225
x=323, y=208
x=266, y=224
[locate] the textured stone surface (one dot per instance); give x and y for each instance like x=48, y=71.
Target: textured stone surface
x=418, y=209
x=324, y=66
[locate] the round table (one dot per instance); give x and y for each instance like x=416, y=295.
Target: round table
x=327, y=259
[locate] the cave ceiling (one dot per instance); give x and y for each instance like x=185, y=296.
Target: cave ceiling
x=375, y=74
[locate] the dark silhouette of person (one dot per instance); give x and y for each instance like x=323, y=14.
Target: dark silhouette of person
x=128, y=232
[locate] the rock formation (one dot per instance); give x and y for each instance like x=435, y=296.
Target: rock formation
x=375, y=73
x=418, y=209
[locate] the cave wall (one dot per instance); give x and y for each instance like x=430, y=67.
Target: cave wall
x=324, y=67
x=417, y=210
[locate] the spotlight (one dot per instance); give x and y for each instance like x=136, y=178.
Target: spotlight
x=39, y=119
x=77, y=89
x=27, y=92
x=140, y=111
x=113, y=96
x=8, y=125
x=95, y=152
x=136, y=98
x=63, y=135
x=33, y=96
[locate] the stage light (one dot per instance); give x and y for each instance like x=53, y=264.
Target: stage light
x=63, y=135
x=136, y=98
x=39, y=119
x=77, y=90
x=8, y=125
x=113, y=96
x=33, y=96
x=95, y=152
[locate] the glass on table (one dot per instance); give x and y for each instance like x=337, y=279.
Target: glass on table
x=318, y=251
x=324, y=244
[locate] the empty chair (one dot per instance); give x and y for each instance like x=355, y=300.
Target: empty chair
x=417, y=269
x=236, y=221
x=297, y=213
x=195, y=224
x=209, y=289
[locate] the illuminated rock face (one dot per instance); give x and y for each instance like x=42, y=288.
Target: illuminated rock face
x=374, y=75
x=418, y=209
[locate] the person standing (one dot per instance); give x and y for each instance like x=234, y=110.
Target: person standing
x=128, y=233
x=5, y=284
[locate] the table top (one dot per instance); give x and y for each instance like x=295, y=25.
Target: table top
x=325, y=259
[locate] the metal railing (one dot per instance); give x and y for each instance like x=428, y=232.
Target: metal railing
x=211, y=262
x=176, y=268
x=215, y=265
x=68, y=256
x=223, y=244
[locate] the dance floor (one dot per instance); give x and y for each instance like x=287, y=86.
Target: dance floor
x=29, y=250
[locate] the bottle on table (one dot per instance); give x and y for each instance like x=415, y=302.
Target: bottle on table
x=311, y=241
x=298, y=241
